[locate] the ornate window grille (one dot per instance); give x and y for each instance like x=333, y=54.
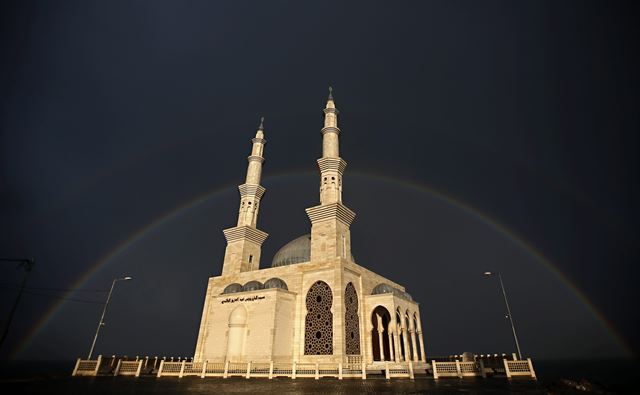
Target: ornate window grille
x=351, y=320
x=318, y=334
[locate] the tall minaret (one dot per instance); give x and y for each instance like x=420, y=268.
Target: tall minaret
x=330, y=221
x=244, y=242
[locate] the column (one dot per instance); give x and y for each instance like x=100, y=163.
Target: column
x=422, y=355
x=396, y=343
x=405, y=338
x=380, y=330
x=413, y=345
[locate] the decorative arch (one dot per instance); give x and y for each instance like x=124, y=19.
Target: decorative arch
x=237, y=333
x=380, y=341
x=318, y=331
x=351, y=320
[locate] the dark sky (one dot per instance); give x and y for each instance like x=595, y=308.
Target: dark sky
x=479, y=135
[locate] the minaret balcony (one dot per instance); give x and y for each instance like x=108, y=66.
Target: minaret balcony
x=335, y=164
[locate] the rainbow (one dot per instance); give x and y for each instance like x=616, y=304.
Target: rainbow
x=181, y=210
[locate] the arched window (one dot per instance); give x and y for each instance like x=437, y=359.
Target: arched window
x=318, y=333
x=351, y=320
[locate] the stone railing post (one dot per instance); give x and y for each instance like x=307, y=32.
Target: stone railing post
x=75, y=369
x=434, y=366
x=386, y=370
x=160, y=368
x=139, y=368
x=182, y=369
x=204, y=369
x=248, y=370
x=117, y=370
x=483, y=373
x=411, y=370
x=458, y=368
x=226, y=370
x=364, y=370
x=317, y=372
x=293, y=370
x=270, y=370
x=339, y=370
x=533, y=372
x=506, y=367
x=95, y=372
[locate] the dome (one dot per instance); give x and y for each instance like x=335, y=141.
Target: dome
x=275, y=283
x=232, y=288
x=252, y=286
x=383, y=289
x=406, y=295
x=297, y=250
x=388, y=289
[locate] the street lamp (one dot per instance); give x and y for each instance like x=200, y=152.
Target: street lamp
x=104, y=310
x=27, y=264
x=506, y=303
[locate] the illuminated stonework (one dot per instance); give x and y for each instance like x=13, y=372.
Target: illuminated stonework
x=318, y=331
x=351, y=320
x=314, y=303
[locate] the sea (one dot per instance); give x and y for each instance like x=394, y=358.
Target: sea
x=611, y=376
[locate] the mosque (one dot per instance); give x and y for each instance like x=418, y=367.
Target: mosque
x=314, y=304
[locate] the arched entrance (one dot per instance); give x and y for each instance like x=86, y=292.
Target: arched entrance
x=380, y=338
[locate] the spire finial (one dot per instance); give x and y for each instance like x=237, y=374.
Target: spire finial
x=261, y=127
x=330, y=93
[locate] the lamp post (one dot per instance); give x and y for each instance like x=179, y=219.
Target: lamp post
x=506, y=303
x=104, y=310
x=27, y=264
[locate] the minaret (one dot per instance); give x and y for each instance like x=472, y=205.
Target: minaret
x=330, y=221
x=244, y=242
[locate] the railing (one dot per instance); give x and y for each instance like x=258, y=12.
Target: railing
x=128, y=368
x=87, y=367
x=519, y=368
x=456, y=369
x=263, y=369
x=477, y=368
x=355, y=367
x=398, y=370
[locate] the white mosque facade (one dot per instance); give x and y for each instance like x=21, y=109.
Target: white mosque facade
x=314, y=304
